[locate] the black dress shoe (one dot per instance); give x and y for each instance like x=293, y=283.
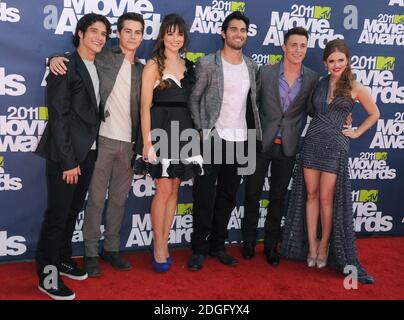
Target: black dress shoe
x=116, y=261
x=272, y=256
x=225, y=258
x=195, y=263
x=92, y=267
x=248, y=251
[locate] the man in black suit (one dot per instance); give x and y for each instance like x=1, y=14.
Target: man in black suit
x=69, y=146
x=283, y=99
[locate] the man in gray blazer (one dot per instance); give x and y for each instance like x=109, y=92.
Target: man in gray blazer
x=120, y=78
x=223, y=106
x=283, y=98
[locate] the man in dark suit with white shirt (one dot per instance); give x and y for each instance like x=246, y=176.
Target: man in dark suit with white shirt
x=69, y=146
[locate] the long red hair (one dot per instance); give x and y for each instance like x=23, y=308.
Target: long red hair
x=343, y=86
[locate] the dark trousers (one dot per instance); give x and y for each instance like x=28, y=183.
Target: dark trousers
x=281, y=173
x=65, y=201
x=213, y=204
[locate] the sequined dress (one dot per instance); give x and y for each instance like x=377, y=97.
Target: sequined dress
x=325, y=148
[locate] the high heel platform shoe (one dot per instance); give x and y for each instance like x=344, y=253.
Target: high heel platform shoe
x=151, y=249
x=159, y=266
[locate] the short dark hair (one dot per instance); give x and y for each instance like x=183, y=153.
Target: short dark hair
x=236, y=15
x=296, y=30
x=85, y=22
x=130, y=16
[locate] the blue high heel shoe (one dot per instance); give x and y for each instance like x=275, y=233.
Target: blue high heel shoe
x=159, y=266
x=151, y=249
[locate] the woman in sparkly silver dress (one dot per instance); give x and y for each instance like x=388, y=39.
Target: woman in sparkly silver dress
x=321, y=186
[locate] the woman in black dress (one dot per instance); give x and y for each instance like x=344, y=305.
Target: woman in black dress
x=321, y=186
x=166, y=83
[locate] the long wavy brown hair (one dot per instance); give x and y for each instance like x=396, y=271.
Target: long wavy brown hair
x=170, y=23
x=343, y=86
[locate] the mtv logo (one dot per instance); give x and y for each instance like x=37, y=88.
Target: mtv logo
x=368, y=195
x=322, y=12
x=381, y=155
x=1, y=161
x=275, y=58
x=193, y=56
x=385, y=63
x=399, y=19
x=43, y=113
x=264, y=203
x=184, y=208
x=238, y=6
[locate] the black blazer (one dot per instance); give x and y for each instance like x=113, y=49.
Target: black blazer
x=73, y=116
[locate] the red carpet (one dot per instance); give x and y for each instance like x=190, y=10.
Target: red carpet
x=383, y=257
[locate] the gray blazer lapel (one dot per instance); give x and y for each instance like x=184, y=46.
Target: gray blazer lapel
x=219, y=75
x=251, y=73
x=117, y=60
x=88, y=83
x=306, y=81
x=303, y=89
x=274, y=78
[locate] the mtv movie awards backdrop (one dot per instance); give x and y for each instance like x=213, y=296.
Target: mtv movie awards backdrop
x=30, y=31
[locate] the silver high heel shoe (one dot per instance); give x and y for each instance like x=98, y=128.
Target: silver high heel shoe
x=311, y=262
x=321, y=263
